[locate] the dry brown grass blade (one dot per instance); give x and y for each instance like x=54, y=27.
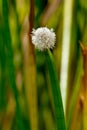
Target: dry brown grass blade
x=32, y=94
x=84, y=54
x=78, y=112
x=30, y=69
x=51, y=8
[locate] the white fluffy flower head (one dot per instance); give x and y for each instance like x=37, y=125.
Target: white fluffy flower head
x=43, y=38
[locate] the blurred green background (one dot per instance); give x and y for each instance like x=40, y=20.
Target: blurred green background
x=26, y=101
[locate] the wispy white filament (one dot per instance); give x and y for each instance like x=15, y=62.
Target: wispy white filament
x=65, y=48
x=43, y=38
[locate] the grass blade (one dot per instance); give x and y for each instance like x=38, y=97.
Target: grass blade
x=10, y=65
x=75, y=92
x=58, y=106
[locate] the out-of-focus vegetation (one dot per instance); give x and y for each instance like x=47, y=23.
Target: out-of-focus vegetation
x=26, y=100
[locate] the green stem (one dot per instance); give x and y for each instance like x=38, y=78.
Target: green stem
x=2, y=69
x=58, y=105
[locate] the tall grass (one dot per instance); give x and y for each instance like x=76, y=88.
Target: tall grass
x=70, y=27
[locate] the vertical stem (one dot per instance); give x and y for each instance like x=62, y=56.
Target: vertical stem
x=68, y=8
x=75, y=95
x=31, y=16
x=58, y=106
x=84, y=53
x=2, y=69
x=30, y=74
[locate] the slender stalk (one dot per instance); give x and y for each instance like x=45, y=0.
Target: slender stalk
x=58, y=105
x=30, y=73
x=68, y=9
x=2, y=69
x=84, y=54
x=10, y=65
x=75, y=93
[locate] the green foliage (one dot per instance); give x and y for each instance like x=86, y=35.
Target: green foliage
x=14, y=66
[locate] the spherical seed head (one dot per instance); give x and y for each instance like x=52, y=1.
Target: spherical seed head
x=43, y=38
